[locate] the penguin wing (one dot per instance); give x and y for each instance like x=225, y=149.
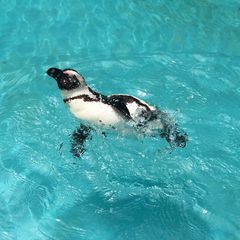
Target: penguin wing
x=130, y=106
x=119, y=103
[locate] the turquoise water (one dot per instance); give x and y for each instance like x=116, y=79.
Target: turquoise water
x=182, y=56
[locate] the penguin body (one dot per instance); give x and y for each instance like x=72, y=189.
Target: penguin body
x=114, y=111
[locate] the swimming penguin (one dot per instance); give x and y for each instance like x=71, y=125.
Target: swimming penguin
x=115, y=111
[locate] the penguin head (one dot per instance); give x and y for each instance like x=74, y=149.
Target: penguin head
x=67, y=79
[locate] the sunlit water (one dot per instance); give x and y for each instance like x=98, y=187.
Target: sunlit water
x=182, y=56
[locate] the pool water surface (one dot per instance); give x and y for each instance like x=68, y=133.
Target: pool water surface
x=181, y=56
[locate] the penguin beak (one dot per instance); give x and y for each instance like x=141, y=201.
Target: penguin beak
x=56, y=73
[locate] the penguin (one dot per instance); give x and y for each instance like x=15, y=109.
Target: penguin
x=117, y=111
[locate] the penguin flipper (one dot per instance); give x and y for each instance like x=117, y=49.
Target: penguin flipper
x=120, y=105
x=79, y=137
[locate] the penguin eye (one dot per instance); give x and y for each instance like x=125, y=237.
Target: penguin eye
x=74, y=78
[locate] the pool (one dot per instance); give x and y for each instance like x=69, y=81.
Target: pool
x=183, y=57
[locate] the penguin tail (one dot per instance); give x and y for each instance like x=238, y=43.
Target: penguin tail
x=175, y=136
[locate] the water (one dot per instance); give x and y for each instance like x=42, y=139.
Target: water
x=182, y=56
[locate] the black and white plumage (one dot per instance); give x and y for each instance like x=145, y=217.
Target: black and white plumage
x=116, y=110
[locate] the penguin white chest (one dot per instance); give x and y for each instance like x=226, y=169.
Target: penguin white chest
x=94, y=112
